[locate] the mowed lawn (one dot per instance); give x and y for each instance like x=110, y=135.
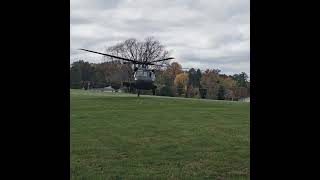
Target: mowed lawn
x=121, y=136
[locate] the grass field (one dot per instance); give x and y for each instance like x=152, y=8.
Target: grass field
x=121, y=136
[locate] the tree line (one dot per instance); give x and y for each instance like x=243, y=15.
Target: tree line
x=171, y=81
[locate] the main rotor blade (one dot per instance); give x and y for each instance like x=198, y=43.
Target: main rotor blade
x=111, y=56
x=125, y=59
x=162, y=59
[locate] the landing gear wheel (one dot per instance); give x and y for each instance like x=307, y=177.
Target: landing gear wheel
x=138, y=93
x=154, y=91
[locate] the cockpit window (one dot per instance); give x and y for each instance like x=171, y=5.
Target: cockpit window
x=139, y=73
x=148, y=74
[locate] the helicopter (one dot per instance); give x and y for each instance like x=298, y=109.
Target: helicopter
x=144, y=76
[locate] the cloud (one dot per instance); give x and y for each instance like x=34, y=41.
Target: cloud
x=201, y=34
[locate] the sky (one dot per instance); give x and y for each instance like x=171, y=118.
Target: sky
x=205, y=34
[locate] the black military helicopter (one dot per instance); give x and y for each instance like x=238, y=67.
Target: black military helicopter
x=144, y=76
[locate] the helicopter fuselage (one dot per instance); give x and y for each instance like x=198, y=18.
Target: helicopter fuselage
x=144, y=85
x=144, y=79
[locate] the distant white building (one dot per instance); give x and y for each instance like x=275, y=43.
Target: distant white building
x=108, y=88
x=245, y=99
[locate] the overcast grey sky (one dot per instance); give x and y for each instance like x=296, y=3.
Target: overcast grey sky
x=198, y=33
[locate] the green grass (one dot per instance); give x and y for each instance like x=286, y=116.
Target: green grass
x=121, y=136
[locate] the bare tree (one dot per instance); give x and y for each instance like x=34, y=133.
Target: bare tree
x=145, y=51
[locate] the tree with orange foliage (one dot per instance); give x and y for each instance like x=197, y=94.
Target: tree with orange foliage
x=181, y=83
x=175, y=69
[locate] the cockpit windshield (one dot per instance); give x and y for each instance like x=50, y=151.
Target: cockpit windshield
x=144, y=75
